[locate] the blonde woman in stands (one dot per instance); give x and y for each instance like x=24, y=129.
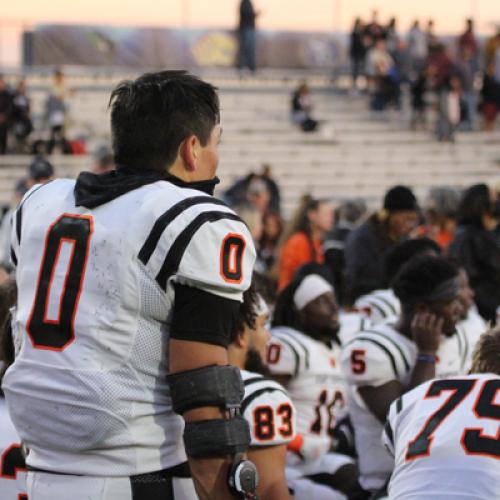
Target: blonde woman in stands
x=302, y=243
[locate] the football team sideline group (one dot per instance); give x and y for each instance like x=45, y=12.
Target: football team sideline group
x=140, y=361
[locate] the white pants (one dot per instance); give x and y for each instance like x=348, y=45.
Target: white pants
x=44, y=486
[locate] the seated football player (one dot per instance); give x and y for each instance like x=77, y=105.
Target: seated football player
x=12, y=466
x=304, y=355
x=383, y=363
x=266, y=405
x=382, y=304
x=444, y=434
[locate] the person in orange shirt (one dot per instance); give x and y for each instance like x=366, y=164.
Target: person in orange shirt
x=304, y=238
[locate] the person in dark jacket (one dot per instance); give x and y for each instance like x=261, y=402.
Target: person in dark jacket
x=247, y=37
x=367, y=245
x=476, y=247
x=357, y=51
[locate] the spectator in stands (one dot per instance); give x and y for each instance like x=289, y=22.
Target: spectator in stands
x=273, y=188
x=467, y=67
x=22, y=125
x=103, y=160
x=440, y=71
x=247, y=36
x=441, y=216
x=374, y=31
x=490, y=98
x=302, y=106
x=381, y=68
x=236, y=195
x=55, y=113
x=476, y=247
x=367, y=245
x=268, y=244
x=304, y=238
x=433, y=43
x=258, y=195
x=467, y=41
x=357, y=51
x=5, y=114
x=417, y=48
x=348, y=216
x=391, y=37
x=418, y=88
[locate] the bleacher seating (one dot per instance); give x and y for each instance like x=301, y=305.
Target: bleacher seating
x=352, y=155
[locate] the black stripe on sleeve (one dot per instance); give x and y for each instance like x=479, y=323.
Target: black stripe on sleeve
x=396, y=345
x=382, y=346
x=13, y=257
x=252, y=380
x=247, y=401
x=399, y=404
x=378, y=308
x=388, y=432
x=295, y=354
x=164, y=220
x=388, y=304
x=176, y=251
x=306, y=350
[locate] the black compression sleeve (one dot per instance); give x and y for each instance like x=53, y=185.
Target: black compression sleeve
x=200, y=316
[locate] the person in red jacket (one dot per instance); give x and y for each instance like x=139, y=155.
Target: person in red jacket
x=303, y=242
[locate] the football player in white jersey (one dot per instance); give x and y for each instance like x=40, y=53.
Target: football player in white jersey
x=382, y=363
x=445, y=434
x=12, y=464
x=266, y=405
x=381, y=305
x=304, y=355
x=128, y=285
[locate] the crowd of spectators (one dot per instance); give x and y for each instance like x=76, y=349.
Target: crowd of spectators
x=353, y=244
x=456, y=77
x=23, y=133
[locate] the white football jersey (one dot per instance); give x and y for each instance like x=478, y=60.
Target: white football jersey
x=88, y=391
x=12, y=466
x=378, y=306
x=317, y=386
x=373, y=358
x=445, y=438
x=268, y=409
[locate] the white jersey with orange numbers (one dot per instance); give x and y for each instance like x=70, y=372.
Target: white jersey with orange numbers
x=373, y=358
x=12, y=466
x=445, y=438
x=317, y=386
x=88, y=390
x=268, y=409
x=378, y=306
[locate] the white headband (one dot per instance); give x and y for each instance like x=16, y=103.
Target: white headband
x=260, y=307
x=311, y=288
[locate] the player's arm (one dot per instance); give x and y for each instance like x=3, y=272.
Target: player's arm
x=270, y=462
x=204, y=389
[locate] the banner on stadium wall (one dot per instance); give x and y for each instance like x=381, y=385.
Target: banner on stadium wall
x=173, y=48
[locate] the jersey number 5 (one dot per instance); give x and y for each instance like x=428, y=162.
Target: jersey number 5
x=60, y=280
x=473, y=441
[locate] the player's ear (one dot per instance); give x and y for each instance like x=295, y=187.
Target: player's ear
x=189, y=152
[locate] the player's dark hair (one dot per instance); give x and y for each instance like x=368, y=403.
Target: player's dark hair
x=152, y=115
x=419, y=277
x=475, y=202
x=285, y=312
x=485, y=358
x=404, y=252
x=246, y=315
